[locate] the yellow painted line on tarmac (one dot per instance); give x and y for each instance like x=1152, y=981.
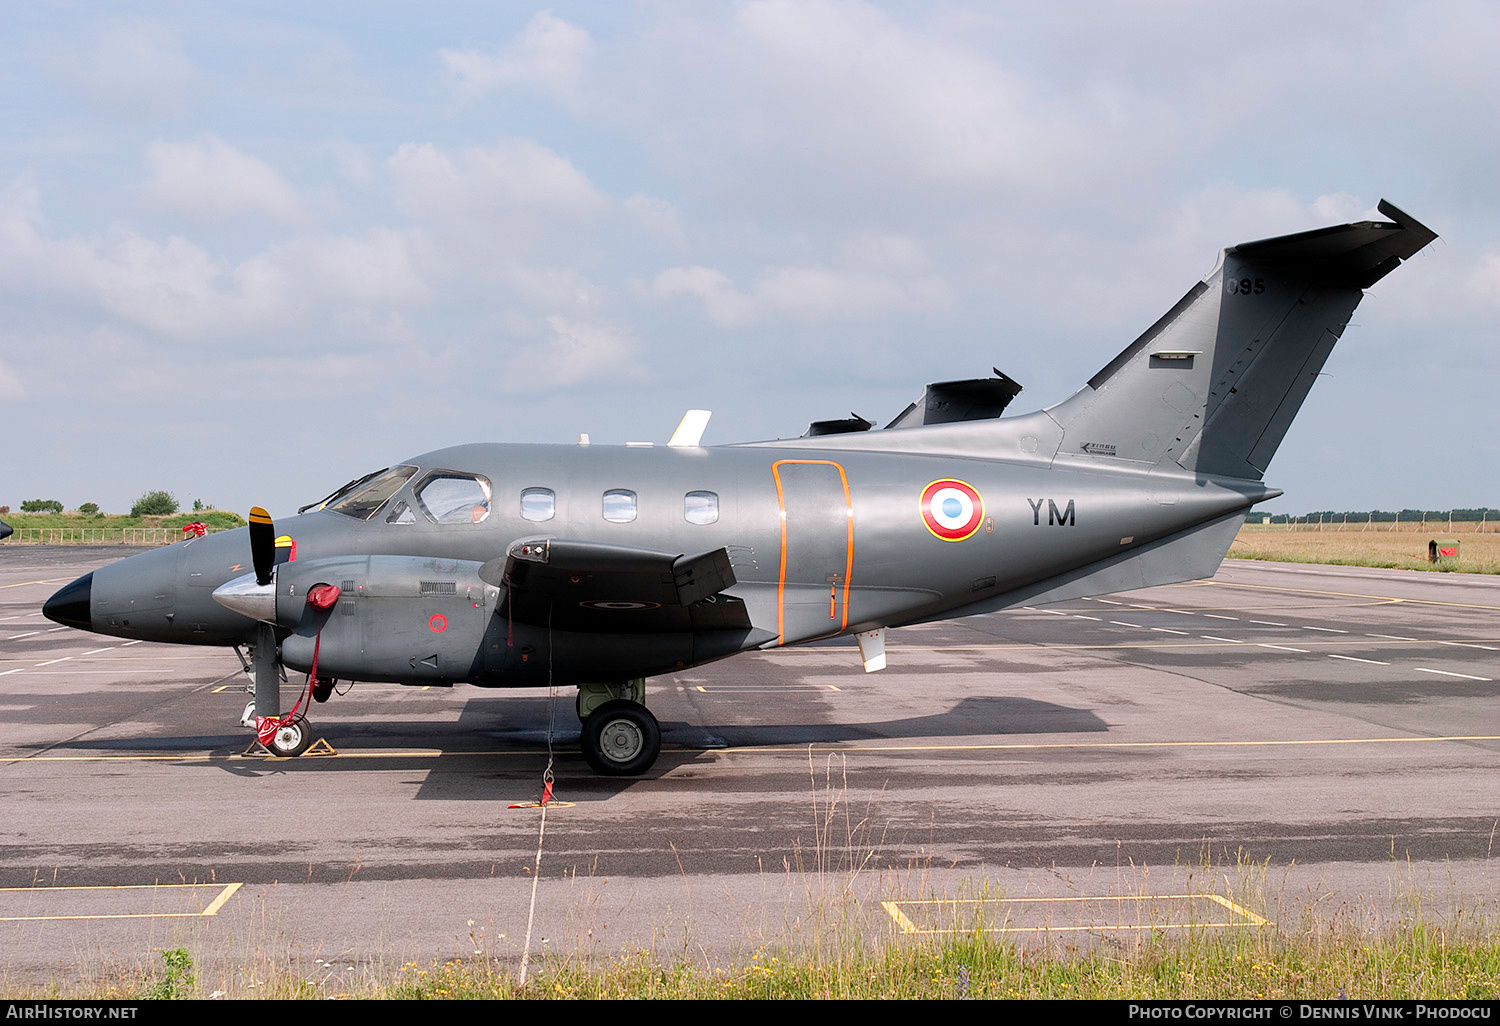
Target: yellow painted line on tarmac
x=218, y=903
x=798, y=750
x=50, y=580
x=739, y=689
x=1036, y=746
x=1383, y=599
x=894, y=909
x=1033, y=646
x=905, y=924
x=225, y=893
x=210, y=757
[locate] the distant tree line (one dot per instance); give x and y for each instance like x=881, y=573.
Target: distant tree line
x=1378, y=516
x=157, y=503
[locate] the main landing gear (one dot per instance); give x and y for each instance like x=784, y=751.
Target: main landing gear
x=620, y=736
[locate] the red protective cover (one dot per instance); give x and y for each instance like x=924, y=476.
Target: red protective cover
x=323, y=596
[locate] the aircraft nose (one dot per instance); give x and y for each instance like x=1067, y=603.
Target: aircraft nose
x=70, y=606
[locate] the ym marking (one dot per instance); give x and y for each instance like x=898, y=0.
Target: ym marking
x=1059, y=517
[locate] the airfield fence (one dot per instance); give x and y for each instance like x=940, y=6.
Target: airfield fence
x=97, y=535
x=1445, y=525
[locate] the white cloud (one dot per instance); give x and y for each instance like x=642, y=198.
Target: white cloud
x=491, y=190
x=210, y=181
x=725, y=305
x=172, y=287
x=11, y=389
x=1484, y=280
x=382, y=269
x=128, y=67
x=658, y=217
x=821, y=106
x=886, y=250
x=177, y=289
x=576, y=352
x=809, y=295
x=548, y=55
x=550, y=287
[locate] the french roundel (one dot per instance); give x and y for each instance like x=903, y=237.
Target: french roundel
x=951, y=509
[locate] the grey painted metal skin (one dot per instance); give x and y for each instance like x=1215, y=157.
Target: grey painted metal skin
x=1141, y=478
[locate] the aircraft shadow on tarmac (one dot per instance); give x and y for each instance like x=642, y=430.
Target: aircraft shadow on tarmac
x=511, y=727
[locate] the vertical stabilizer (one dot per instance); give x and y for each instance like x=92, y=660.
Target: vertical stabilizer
x=1215, y=383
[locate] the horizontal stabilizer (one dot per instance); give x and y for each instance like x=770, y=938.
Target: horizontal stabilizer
x=1348, y=255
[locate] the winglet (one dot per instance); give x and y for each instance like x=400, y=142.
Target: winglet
x=690, y=431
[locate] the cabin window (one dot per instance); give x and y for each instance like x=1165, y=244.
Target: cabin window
x=619, y=506
x=701, y=507
x=538, y=504
x=401, y=514
x=453, y=498
x=361, y=501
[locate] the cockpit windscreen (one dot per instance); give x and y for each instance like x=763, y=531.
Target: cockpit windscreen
x=362, y=501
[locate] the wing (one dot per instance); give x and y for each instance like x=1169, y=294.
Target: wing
x=611, y=589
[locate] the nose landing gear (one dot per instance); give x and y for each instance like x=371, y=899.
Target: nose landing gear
x=287, y=736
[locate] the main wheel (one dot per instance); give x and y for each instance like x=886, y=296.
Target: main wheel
x=290, y=740
x=621, y=738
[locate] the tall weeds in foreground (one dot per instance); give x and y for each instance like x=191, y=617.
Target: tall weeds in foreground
x=846, y=945
x=1418, y=962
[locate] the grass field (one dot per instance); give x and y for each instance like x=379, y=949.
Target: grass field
x=1378, y=546
x=1318, y=962
x=1423, y=944
x=213, y=518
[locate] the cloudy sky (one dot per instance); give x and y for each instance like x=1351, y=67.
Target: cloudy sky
x=247, y=256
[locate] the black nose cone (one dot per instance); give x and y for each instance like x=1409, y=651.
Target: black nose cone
x=70, y=606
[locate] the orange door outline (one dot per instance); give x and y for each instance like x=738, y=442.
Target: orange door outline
x=849, y=544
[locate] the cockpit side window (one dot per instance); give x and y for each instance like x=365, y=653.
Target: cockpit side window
x=362, y=501
x=451, y=497
x=400, y=514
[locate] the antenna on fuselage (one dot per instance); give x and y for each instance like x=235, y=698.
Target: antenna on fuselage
x=690, y=430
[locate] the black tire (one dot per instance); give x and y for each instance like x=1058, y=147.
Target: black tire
x=621, y=739
x=322, y=690
x=290, y=740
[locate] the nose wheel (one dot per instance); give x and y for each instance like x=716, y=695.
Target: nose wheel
x=621, y=738
x=290, y=740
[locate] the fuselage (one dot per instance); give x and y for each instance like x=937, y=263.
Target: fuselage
x=823, y=541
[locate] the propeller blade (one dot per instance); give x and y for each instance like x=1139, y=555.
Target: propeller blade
x=262, y=544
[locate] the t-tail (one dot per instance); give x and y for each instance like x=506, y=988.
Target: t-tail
x=1214, y=384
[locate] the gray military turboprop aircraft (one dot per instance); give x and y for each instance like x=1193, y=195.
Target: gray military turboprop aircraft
x=599, y=567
